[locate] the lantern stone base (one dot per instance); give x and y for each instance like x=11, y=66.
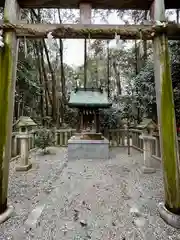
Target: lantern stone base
x=148, y=169
x=7, y=214
x=23, y=168
x=87, y=149
x=169, y=217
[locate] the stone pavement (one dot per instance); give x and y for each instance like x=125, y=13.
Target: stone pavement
x=99, y=199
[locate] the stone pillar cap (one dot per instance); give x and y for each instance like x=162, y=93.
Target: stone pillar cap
x=147, y=137
x=23, y=135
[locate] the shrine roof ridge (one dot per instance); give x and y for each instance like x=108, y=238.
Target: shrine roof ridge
x=93, y=89
x=89, y=97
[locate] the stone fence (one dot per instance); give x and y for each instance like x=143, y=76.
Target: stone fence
x=137, y=143
x=62, y=136
x=117, y=138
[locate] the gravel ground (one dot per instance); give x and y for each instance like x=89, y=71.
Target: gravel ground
x=96, y=199
x=27, y=189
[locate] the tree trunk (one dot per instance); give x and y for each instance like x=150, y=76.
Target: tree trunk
x=145, y=42
x=63, y=85
x=118, y=80
x=40, y=81
x=45, y=76
x=47, y=103
x=85, y=63
x=108, y=69
x=39, y=46
x=177, y=16
x=96, y=72
x=137, y=92
x=53, y=79
x=22, y=109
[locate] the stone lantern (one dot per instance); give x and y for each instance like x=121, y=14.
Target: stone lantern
x=147, y=126
x=25, y=125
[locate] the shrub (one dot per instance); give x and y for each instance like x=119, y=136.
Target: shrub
x=44, y=138
x=110, y=119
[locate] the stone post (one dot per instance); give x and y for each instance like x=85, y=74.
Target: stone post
x=158, y=153
x=56, y=137
x=60, y=138
x=147, y=152
x=14, y=146
x=33, y=138
x=25, y=165
x=65, y=138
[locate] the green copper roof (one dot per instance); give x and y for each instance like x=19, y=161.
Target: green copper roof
x=89, y=98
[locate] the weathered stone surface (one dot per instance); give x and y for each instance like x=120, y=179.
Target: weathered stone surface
x=22, y=168
x=171, y=218
x=88, y=149
x=148, y=170
x=147, y=152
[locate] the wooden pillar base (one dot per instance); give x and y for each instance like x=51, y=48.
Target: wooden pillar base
x=7, y=214
x=169, y=217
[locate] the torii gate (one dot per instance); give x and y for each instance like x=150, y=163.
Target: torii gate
x=159, y=31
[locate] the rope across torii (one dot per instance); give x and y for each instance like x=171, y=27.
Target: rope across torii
x=95, y=31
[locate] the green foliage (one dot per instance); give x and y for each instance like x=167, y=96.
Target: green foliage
x=175, y=65
x=71, y=117
x=145, y=90
x=27, y=84
x=110, y=119
x=144, y=83
x=44, y=138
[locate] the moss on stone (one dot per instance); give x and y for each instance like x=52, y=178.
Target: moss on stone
x=5, y=84
x=168, y=132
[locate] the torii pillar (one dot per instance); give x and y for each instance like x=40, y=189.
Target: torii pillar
x=170, y=209
x=8, y=62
